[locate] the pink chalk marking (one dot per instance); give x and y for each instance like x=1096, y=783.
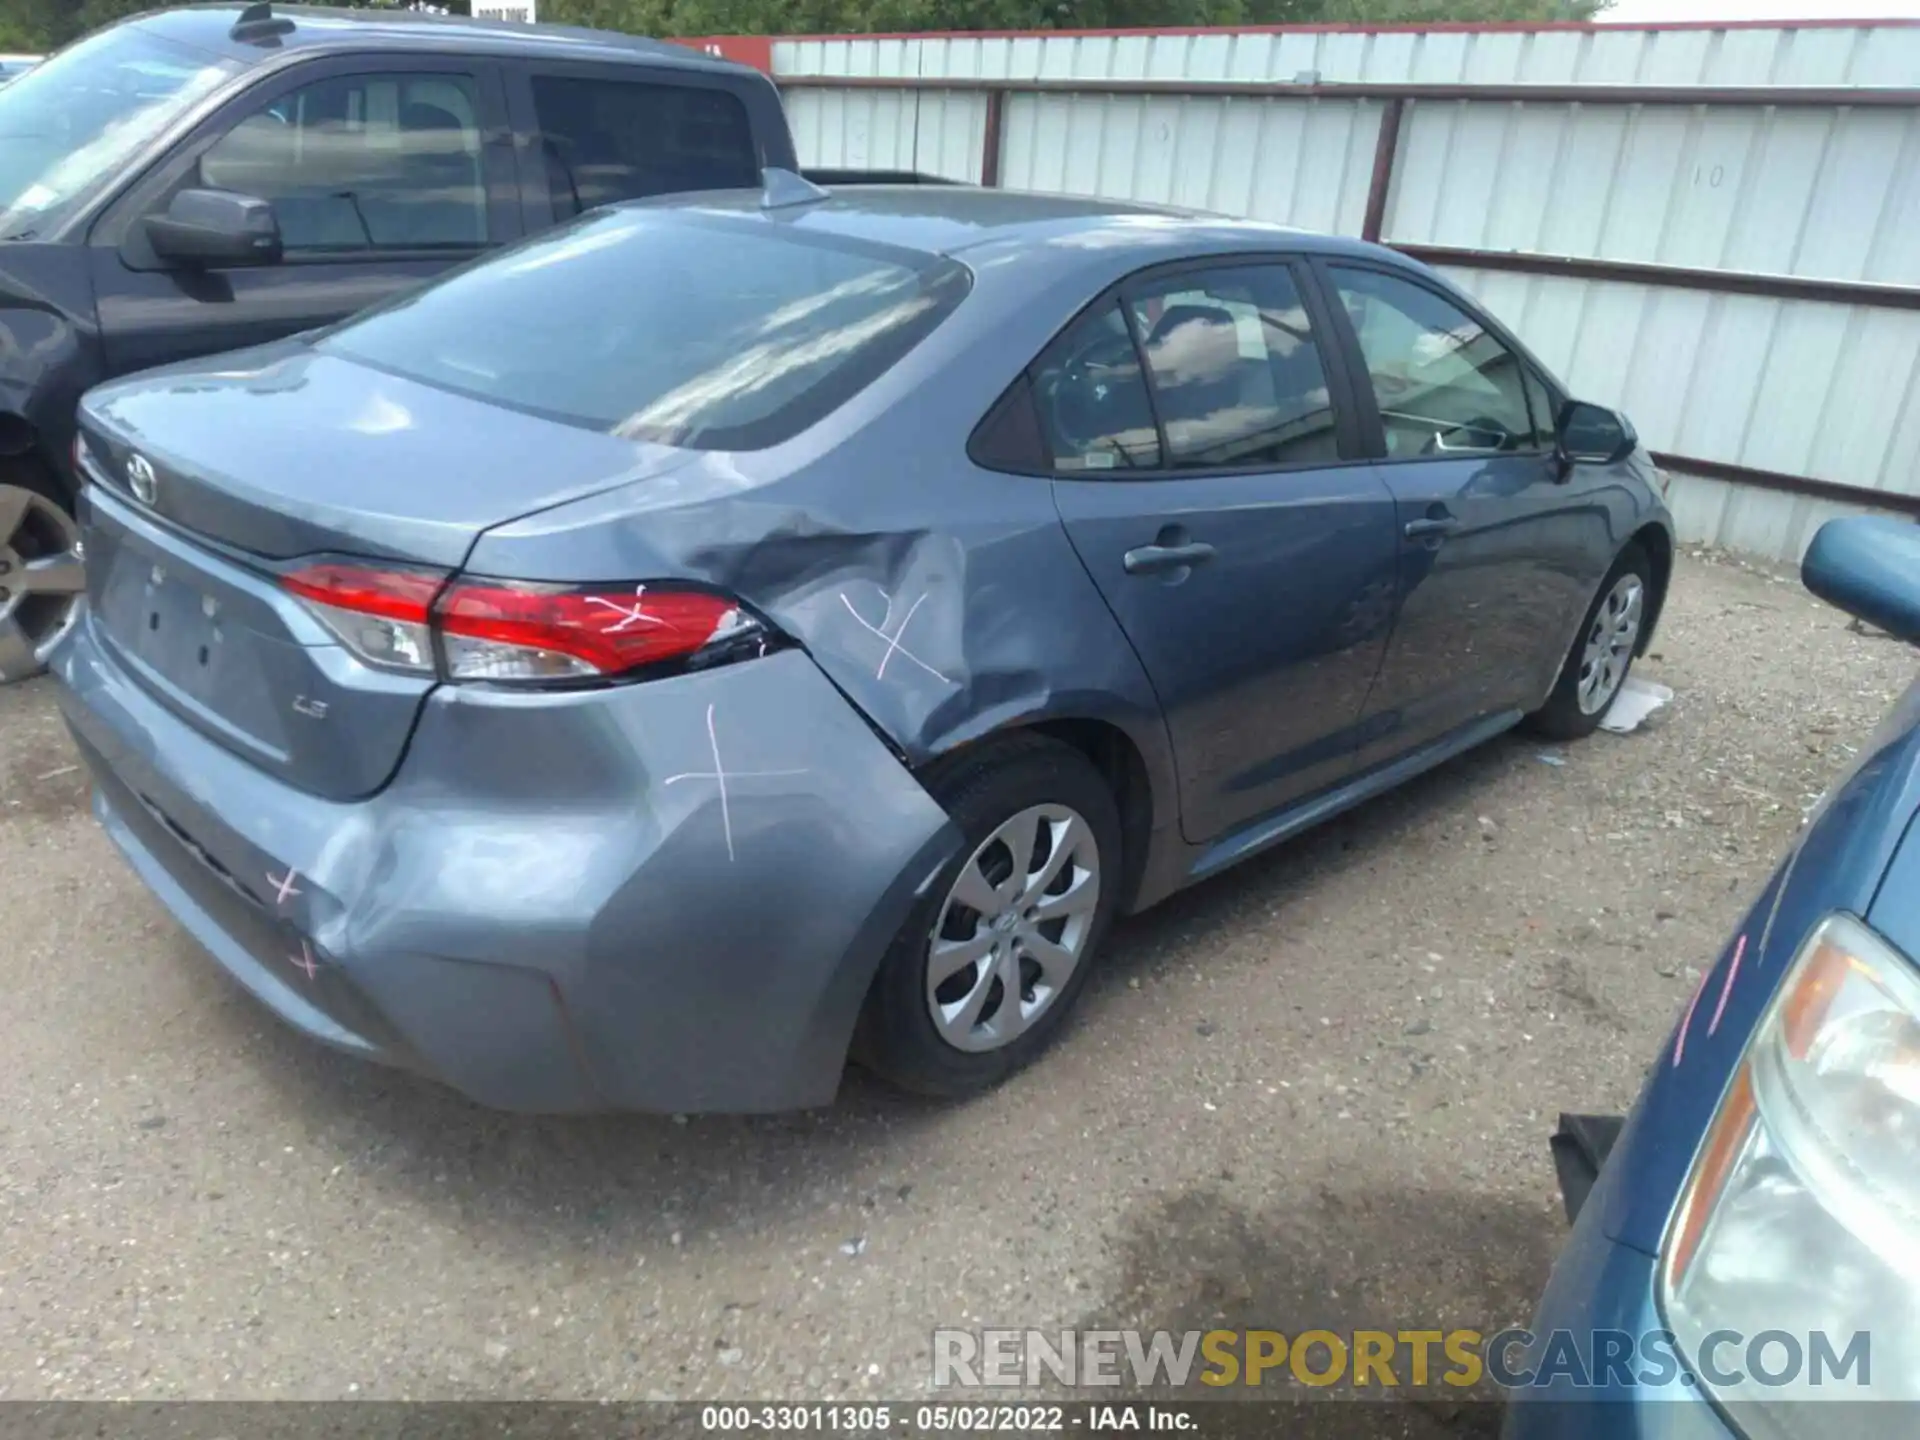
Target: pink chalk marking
x=1726, y=988
x=304, y=961
x=1686, y=1021
x=719, y=776
x=284, y=886
x=894, y=647
x=634, y=614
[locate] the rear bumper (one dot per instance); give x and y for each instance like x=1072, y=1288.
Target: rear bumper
x=554, y=906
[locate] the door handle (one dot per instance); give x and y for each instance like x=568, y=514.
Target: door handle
x=1156, y=559
x=1434, y=527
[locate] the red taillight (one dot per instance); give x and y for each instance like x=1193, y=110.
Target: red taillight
x=390, y=594
x=572, y=632
x=505, y=631
x=380, y=615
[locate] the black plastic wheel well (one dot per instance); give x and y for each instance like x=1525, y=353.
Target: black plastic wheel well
x=1658, y=544
x=1118, y=759
x=18, y=436
x=22, y=460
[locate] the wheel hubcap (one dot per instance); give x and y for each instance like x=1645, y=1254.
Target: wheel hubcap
x=1013, y=928
x=1610, y=643
x=41, y=579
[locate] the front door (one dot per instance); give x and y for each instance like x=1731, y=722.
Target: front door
x=380, y=179
x=1496, y=541
x=1206, y=493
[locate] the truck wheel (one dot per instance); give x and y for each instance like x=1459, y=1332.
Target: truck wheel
x=41, y=577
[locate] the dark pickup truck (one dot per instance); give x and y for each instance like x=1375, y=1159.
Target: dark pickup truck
x=198, y=180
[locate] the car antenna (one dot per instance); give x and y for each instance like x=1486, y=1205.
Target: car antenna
x=783, y=189
x=258, y=22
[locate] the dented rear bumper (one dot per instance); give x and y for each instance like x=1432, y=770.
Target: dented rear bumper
x=667, y=896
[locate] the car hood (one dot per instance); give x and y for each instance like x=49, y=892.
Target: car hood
x=286, y=450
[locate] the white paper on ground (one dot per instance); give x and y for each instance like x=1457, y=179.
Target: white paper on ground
x=1636, y=701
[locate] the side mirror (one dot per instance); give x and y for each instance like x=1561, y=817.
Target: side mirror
x=1594, y=435
x=215, y=229
x=1869, y=566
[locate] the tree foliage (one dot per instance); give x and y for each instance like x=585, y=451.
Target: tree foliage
x=42, y=25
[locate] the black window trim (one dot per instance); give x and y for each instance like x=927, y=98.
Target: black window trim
x=1349, y=435
x=1373, y=432
x=119, y=226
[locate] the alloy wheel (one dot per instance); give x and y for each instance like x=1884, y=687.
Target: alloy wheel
x=1013, y=928
x=1610, y=644
x=41, y=579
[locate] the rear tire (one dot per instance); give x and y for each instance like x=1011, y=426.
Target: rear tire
x=1043, y=920
x=1603, y=651
x=41, y=579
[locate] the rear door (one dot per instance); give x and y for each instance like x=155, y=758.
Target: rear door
x=382, y=174
x=1213, y=497
x=599, y=134
x=1496, y=541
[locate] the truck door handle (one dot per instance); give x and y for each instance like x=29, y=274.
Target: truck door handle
x=1157, y=559
x=1434, y=527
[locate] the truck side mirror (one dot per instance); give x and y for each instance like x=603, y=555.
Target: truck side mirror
x=215, y=229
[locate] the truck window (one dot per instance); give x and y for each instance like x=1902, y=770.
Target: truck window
x=363, y=162
x=608, y=140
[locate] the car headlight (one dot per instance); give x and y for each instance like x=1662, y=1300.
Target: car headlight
x=1801, y=1213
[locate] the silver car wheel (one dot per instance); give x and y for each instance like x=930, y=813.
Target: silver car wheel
x=1013, y=928
x=1610, y=644
x=41, y=579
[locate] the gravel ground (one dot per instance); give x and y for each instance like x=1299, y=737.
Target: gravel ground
x=1316, y=1090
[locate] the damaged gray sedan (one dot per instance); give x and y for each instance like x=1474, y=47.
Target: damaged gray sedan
x=731, y=633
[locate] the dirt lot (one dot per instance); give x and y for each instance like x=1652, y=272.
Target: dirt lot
x=1315, y=1090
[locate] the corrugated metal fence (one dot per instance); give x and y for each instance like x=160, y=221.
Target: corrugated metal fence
x=1716, y=229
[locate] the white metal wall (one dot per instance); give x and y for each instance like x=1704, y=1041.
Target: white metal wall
x=937, y=132
x=1609, y=55
x=1833, y=193
x=1297, y=162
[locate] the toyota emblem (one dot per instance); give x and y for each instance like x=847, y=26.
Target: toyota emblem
x=146, y=485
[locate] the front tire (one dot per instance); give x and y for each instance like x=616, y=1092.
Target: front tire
x=986, y=970
x=1603, y=652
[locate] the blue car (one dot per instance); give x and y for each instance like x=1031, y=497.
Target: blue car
x=1744, y=1261
x=729, y=632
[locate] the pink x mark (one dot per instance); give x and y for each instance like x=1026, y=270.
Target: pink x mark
x=634, y=614
x=304, y=961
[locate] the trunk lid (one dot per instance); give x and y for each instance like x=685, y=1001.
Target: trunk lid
x=207, y=482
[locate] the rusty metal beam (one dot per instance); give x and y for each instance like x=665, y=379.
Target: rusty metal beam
x=1781, y=96
x=1384, y=149
x=990, y=141
x=1805, y=485
x=1634, y=272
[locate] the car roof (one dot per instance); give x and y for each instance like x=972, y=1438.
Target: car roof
x=952, y=219
x=319, y=28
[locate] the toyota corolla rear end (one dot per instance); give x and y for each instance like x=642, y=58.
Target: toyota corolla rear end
x=564, y=841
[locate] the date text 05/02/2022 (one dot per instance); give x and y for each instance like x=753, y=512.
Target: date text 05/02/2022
x=962, y=1419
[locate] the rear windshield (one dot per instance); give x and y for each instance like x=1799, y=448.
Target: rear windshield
x=709, y=332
